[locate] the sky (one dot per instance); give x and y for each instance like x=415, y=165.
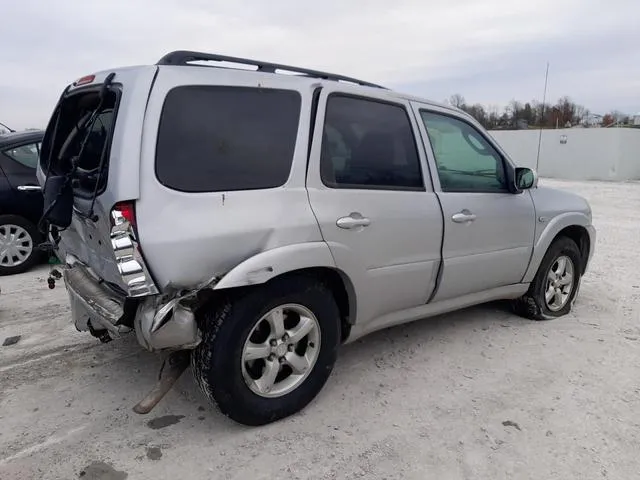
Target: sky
x=489, y=51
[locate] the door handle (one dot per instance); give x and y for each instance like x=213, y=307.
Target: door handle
x=29, y=188
x=464, y=216
x=353, y=221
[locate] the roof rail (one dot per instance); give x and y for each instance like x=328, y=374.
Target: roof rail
x=184, y=58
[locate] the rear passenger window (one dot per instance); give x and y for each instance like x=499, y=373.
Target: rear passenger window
x=226, y=138
x=368, y=144
x=26, y=155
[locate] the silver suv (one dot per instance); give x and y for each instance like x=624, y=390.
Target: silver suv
x=252, y=221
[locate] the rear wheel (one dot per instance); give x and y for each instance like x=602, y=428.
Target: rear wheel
x=556, y=284
x=19, y=239
x=267, y=353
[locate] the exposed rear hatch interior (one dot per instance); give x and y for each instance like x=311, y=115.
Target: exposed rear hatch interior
x=79, y=140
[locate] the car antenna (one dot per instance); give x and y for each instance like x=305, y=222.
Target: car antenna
x=544, y=99
x=10, y=129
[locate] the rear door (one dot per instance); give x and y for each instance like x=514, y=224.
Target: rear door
x=374, y=203
x=488, y=231
x=19, y=163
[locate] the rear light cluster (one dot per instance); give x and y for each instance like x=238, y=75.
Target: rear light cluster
x=126, y=250
x=123, y=211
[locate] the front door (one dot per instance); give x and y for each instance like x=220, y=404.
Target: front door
x=488, y=231
x=367, y=188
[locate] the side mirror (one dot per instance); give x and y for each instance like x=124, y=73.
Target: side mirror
x=526, y=178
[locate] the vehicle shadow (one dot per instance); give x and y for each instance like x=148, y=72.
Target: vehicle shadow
x=363, y=359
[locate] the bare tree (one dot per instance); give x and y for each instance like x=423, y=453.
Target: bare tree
x=528, y=114
x=514, y=110
x=457, y=100
x=477, y=111
x=565, y=112
x=608, y=119
x=493, y=114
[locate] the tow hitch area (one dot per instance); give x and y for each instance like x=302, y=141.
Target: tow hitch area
x=170, y=371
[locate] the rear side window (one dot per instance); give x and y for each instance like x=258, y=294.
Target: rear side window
x=26, y=155
x=215, y=138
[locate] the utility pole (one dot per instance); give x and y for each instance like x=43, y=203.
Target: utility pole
x=544, y=99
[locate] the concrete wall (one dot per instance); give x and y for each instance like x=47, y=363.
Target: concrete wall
x=588, y=154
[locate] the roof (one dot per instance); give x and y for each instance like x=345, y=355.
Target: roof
x=285, y=74
x=415, y=98
x=187, y=58
x=17, y=137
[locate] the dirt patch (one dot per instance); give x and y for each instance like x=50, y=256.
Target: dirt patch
x=101, y=471
x=11, y=340
x=165, y=421
x=154, y=453
x=509, y=423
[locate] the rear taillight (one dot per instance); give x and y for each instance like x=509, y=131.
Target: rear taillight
x=127, y=251
x=123, y=211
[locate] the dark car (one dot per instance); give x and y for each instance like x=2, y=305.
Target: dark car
x=20, y=201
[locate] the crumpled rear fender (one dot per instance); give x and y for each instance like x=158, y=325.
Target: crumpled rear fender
x=272, y=263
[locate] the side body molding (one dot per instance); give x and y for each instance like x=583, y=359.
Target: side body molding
x=549, y=232
x=269, y=264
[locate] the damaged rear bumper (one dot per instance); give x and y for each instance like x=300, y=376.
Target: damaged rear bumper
x=93, y=303
x=159, y=323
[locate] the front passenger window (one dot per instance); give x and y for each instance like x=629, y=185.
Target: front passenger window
x=466, y=161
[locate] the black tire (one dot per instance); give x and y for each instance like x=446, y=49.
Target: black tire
x=217, y=365
x=532, y=305
x=32, y=231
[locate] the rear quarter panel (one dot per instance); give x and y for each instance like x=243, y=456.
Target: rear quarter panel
x=187, y=238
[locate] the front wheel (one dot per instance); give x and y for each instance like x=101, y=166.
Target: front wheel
x=267, y=353
x=556, y=284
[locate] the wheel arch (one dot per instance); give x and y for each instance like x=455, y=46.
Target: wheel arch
x=311, y=259
x=570, y=225
x=580, y=235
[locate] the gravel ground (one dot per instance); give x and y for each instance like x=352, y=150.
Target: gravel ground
x=476, y=394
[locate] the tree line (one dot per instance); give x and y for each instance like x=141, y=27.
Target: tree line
x=534, y=114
